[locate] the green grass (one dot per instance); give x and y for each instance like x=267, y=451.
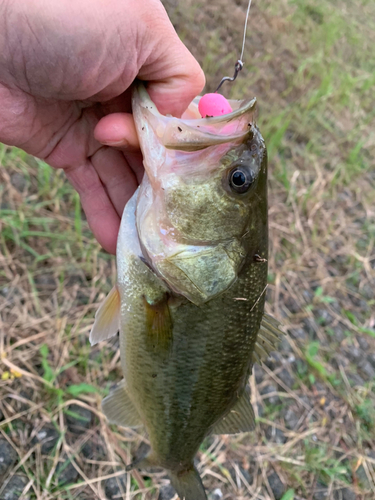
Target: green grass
x=311, y=66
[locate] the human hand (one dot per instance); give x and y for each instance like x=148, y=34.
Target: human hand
x=65, y=68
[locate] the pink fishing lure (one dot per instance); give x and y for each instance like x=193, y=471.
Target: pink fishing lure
x=213, y=105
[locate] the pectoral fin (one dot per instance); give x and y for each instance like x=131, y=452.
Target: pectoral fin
x=268, y=338
x=241, y=417
x=159, y=324
x=107, y=318
x=119, y=409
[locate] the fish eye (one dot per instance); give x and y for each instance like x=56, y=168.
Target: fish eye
x=241, y=179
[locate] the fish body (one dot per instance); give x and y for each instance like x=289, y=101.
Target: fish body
x=192, y=275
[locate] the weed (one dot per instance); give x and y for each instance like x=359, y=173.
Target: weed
x=311, y=67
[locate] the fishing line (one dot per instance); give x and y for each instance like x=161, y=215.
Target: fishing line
x=239, y=64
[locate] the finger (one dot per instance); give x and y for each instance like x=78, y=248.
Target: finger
x=117, y=130
x=115, y=175
x=135, y=161
x=174, y=95
x=101, y=214
x=174, y=75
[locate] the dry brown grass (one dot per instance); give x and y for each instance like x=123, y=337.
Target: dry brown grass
x=314, y=88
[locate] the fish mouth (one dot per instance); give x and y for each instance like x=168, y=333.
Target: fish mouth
x=191, y=132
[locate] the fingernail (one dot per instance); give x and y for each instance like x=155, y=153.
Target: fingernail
x=115, y=144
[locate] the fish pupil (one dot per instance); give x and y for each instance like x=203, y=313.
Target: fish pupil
x=238, y=178
x=241, y=179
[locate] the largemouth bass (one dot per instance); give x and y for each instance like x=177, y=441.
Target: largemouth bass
x=192, y=275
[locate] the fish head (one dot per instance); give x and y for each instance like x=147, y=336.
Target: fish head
x=203, y=200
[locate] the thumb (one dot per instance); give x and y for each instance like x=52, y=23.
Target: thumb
x=175, y=94
x=174, y=76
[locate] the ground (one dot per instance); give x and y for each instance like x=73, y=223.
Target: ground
x=311, y=65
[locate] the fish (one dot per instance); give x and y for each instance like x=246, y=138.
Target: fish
x=192, y=258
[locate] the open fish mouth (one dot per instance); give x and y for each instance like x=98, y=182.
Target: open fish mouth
x=191, y=132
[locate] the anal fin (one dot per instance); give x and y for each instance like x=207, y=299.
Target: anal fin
x=107, y=318
x=268, y=338
x=240, y=418
x=119, y=409
x=144, y=462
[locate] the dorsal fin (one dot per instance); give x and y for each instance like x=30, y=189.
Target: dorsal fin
x=268, y=338
x=107, y=318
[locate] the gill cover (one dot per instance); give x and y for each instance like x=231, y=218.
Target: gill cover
x=201, y=273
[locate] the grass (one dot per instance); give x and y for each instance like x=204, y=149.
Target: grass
x=311, y=66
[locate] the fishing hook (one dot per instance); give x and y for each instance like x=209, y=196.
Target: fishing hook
x=239, y=64
x=237, y=68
